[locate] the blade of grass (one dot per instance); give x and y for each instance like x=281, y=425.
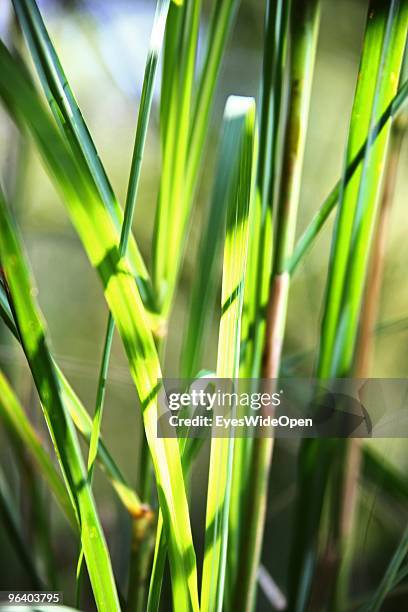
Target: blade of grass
x=304, y=25
x=260, y=260
x=224, y=183
x=83, y=423
x=307, y=238
x=259, y=263
x=99, y=238
x=169, y=218
x=221, y=21
x=156, y=41
x=364, y=350
x=272, y=117
x=71, y=122
x=377, y=83
x=205, y=282
x=374, y=280
x=358, y=196
x=239, y=129
x=32, y=333
x=177, y=192
x=140, y=140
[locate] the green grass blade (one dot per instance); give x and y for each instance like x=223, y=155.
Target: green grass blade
x=98, y=235
x=303, y=30
x=69, y=117
x=306, y=240
x=205, y=282
x=159, y=562
x=358, y=196
x=32, y=332
x=170, y=216
x=222, y=196
x=156, y=41
x=140, y=140
x=259, y=271
x=222, y=19
x=377, y=83
x=258, y=276
x=83, y=423
x=16, y=421
x=239, y=130
x=184, y=126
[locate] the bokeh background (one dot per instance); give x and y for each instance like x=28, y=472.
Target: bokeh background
x=102, y=46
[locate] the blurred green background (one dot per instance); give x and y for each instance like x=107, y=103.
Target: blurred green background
x=102, y=46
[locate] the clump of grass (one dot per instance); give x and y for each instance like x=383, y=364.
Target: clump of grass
x=254, y=206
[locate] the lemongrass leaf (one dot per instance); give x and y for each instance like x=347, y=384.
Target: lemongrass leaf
x=99, y=238
x=239, y=132
x=376, y=86
x=32, y=333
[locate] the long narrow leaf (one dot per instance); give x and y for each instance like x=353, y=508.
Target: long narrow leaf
x=304, y=20
x=182, y=157
x=379, y=69
x=170, y=215
x=32, y=332
x=100, y=240
x=239, y=130
x=358, y=195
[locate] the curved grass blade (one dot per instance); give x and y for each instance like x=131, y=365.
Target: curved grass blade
x=239, y=120
x=83, y=423
x=32, y=333
x=71, y=122
x=156, y=41
x=140, y=140
x=98, y=235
